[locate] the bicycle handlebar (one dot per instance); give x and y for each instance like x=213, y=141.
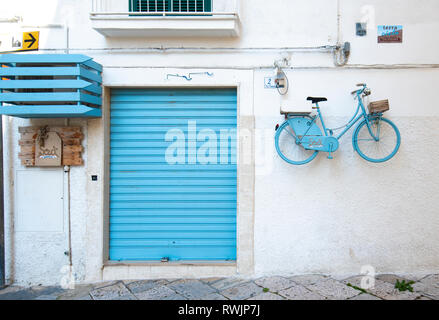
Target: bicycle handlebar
x=362, y=90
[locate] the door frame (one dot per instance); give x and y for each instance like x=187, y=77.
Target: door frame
x=99, y=264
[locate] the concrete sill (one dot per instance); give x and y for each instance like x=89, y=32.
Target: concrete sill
x=166, y=26
x=156, y=270
x=170, y=264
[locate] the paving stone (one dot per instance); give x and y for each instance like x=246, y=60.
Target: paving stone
x=356, y=281
x=333, y=289
x=428, y=286
x=140, y=286
x=391, y=278
x=10, y=292
x=116, y=291
x=104, y=284
x=211, y=280
x=387, y=291
x=315, y=287
x=227, y=283
x=24, y=294
x=11, y=289
x=214, y=296
x=275, y=284
x=191, y=289
x=365, y=296
x=175, y=297
x=267, y=296
x=299, y=292
x=306, y=280
x=157, y=293
x=242, y=291
x=83, y=298
x=81, y=292
x=51, y=290
x=47, y=297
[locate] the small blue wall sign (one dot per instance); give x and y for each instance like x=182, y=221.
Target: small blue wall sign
x=390, y=34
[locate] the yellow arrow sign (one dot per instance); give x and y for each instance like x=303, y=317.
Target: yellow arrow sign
x=30, y=41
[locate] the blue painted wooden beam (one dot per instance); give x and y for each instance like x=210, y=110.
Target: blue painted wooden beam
x=40, y=71
x=12, y=97
x=44, y=58
x=83, y=72
x=51, y=111
x=50, y=84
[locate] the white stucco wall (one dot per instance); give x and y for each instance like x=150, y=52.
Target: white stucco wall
x=331, y=216
x=336, y=216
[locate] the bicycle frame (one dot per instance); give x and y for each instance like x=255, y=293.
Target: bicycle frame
x=351, y=123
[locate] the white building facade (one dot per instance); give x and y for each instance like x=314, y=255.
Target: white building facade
x=340, y=217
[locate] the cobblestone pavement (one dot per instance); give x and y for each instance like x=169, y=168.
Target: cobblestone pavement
x=307, y=287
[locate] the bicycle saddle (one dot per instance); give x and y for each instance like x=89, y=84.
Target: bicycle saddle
x=316, y=99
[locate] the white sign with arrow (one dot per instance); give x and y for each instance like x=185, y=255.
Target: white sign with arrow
x=26, y=41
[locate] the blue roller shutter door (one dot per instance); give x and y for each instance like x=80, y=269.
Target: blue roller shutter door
x=181, y=211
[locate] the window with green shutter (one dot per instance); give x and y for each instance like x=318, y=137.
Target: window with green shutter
x=170, y=5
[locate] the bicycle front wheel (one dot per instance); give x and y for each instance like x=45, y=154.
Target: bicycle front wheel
x=289, y=149
x=381, y=149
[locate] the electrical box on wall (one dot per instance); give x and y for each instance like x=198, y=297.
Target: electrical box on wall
x=51, y=146
x=361, y=29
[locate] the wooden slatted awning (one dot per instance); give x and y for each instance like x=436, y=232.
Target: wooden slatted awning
x=50, y=86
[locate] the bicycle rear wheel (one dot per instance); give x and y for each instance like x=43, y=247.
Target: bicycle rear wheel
x=288, y=148
x=381, y=150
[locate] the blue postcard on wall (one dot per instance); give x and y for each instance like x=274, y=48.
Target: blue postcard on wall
x=390, y=34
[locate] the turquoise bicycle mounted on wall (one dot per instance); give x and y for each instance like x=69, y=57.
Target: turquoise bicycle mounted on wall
x=299, y=139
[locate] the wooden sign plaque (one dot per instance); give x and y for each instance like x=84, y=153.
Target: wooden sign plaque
x=70, y=152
